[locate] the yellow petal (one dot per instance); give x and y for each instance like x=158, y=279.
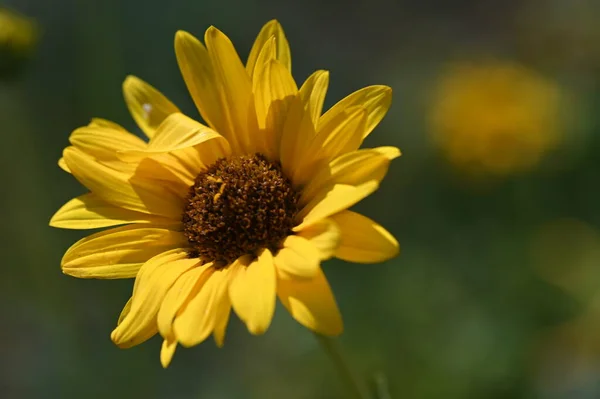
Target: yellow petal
x=298, y=258
x=99, y=122
x=221, y=322
x=313, y=93
x=183, y=148
x=252, y=291
x=201, y=80
x=363, y=240
x=389, y=152
x=184, y=288
x=312, y=304
x=261, y=87
x=298, y=132
x=283, y=55
x=123, y=189
x=144, y=334
x=339, y=137
x=336, y=199
x=376, y=100
x=152, y=283
x=118, y=252
x=346, y=181
x=63, y=165
x=175, y=133
x=199, y=318
x=266, y=55
x=103, y=143
x=179, y=131
x=147, y=106
x=281, y=84
x=90, y=212
x=351, y=168
x=275, y=89
x=185, y=164
x=102, y=139
x=235, y=88
x=167, y=171
x=125, y=311
x=167, y=351
x=324, y=235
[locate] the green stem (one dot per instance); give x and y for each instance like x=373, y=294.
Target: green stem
x=355, y=385
x=381, y=386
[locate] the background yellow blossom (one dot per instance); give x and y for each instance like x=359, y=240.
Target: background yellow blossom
x=495, y=117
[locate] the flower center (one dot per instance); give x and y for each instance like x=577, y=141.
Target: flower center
x=238, y=206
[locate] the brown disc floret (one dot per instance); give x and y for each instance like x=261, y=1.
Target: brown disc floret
x=238, y=206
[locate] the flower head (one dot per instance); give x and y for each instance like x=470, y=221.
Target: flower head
x=496, y=118
x=234, y=214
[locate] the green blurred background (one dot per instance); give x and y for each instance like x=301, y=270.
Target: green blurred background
x=496, y=291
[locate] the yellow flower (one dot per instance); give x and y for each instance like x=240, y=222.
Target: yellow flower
x=497, y=118
x=233, y=214
x=18, y=36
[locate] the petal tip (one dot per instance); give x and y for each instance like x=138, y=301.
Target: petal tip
x=212, y=31
x=52, y=221
x=130, y=79
x=258, y=329
x=166, y=353
x=393, y=153
x=182, y=35
x=219, y=342
x=274, y=23
x=114, y=337
x=63, y=165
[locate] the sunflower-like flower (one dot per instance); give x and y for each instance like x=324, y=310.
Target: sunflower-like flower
x=233, y=214
x=494, y=117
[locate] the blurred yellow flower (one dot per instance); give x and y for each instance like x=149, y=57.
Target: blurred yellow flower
x=18, y=36
x=496, y=118
x=233, y=214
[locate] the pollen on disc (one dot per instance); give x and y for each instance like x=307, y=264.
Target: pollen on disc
x=238, y=206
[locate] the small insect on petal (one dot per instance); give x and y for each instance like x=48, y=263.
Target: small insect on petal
x=147, y=109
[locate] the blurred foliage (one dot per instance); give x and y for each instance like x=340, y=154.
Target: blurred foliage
x=18, y=36
x=485, y=300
